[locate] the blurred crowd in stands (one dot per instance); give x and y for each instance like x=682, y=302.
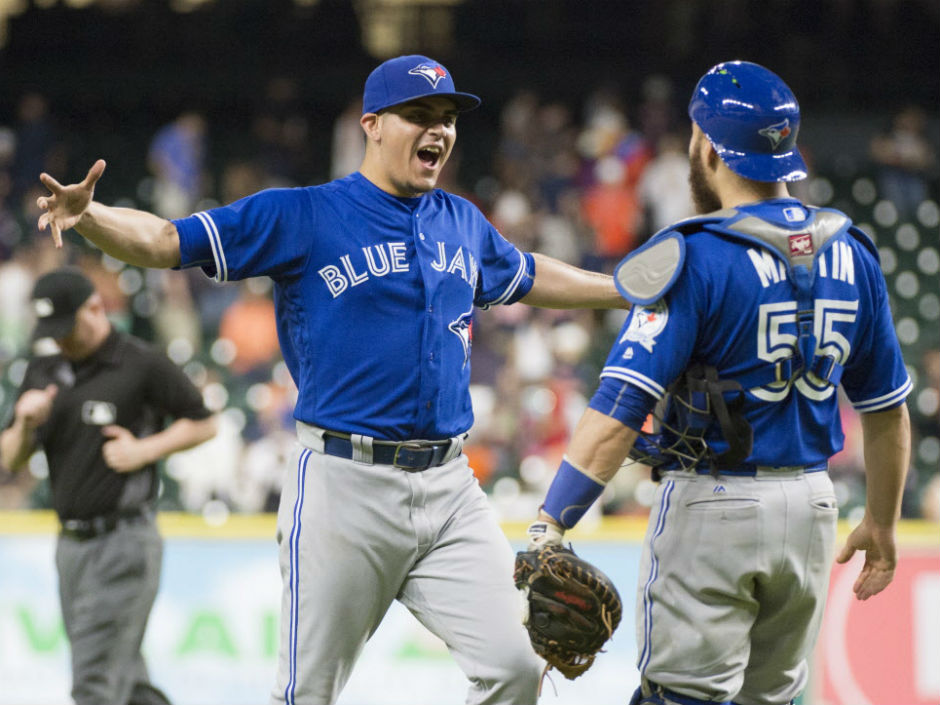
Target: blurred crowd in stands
x=585, y=184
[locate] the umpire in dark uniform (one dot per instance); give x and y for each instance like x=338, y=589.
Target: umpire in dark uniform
x=98, y=409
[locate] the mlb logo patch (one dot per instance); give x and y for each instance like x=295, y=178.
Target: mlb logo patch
x=99, y=413
x=801, y=244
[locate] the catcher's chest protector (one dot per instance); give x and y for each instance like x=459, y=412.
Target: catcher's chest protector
x=791, y=254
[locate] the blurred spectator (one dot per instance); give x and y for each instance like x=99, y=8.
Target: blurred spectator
x=212, y=299
x=553, y=161
x=177, y=158
x=611, y=208
x=16, y=282
x=557, y=236
x=207, y=472
x=904, y=156
x=663, y=188
x=930, y=500
x=241, y=178
x=176, y=321
x=249, y=323
x=270, y=443
x=614, y=156
x=282, y=133
x=657, y=114
x=37, y=146
x=349, y=144
x=513, y=154
x=582, y=189
x=513, y=217
x=11, y=232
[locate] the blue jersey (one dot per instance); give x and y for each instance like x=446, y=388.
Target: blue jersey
x=374, y=297
x=732, y=307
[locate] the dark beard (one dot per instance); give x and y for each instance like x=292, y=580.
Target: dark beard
x=704, y=198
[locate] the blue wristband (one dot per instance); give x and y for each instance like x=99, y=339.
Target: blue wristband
x=571, y=494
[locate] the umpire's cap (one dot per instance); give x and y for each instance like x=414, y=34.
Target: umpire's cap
x=751, y=118
x=405, y=78
x=56, y=298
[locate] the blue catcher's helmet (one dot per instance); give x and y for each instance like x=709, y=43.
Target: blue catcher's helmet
x=751, y=118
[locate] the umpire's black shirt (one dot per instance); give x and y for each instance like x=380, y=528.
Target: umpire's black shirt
x=124, y=382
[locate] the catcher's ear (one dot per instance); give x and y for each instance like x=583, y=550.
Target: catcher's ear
x=712, y=160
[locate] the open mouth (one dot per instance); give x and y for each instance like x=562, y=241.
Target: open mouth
x=430, y=155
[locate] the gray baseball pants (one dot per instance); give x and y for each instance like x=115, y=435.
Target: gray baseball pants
x=107, y=586
x=733, y=583
x=353, y=537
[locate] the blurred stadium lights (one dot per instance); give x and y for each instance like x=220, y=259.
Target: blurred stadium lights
x=389, y=27
x=393, y=27
x=9, y=8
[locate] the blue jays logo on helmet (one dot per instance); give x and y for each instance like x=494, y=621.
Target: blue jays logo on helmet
x=776, y=133
x=751, y=118
x=432, y=72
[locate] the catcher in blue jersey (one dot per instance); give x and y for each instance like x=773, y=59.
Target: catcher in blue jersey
x=376, y=279
x=745, y=322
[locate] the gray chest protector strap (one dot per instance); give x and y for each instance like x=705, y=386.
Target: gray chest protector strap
x=800, y=250
x=647, y=274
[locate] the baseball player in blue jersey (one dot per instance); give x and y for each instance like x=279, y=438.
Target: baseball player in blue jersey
x=745, y=322
x=376, y=277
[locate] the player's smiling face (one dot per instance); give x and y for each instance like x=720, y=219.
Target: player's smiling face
x=409, y=145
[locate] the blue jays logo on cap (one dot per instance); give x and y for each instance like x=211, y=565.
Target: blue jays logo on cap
x=776, y=133
x=407, y=78
x=433, y=72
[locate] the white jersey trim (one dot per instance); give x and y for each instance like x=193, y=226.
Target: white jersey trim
x=885, y=401
x=635, y=378
x=513, y=285
x=215, y=242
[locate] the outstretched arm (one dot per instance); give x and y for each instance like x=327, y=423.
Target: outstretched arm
x=559, y=285
x=132, y=236
x=887, y=442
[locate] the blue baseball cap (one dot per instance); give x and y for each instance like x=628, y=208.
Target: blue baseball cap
x=751, y=118
x=406, y=78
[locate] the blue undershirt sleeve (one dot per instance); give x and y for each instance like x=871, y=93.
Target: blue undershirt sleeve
x=623, y=401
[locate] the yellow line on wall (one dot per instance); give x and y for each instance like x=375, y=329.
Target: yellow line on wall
x=263, y=526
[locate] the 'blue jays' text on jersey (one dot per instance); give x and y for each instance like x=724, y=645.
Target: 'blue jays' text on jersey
x=374, y=297
x=732, y=306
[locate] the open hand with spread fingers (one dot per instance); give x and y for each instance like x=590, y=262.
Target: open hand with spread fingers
x=65, y=205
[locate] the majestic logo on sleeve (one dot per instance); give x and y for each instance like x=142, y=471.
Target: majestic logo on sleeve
x=432, y=72
x=777, y=132
x=463, y=329
x=646, y=323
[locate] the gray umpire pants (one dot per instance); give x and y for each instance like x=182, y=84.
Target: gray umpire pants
x=107, y=586
x=354, y=536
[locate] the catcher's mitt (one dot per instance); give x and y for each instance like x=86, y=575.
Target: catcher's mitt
x=573, y=608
